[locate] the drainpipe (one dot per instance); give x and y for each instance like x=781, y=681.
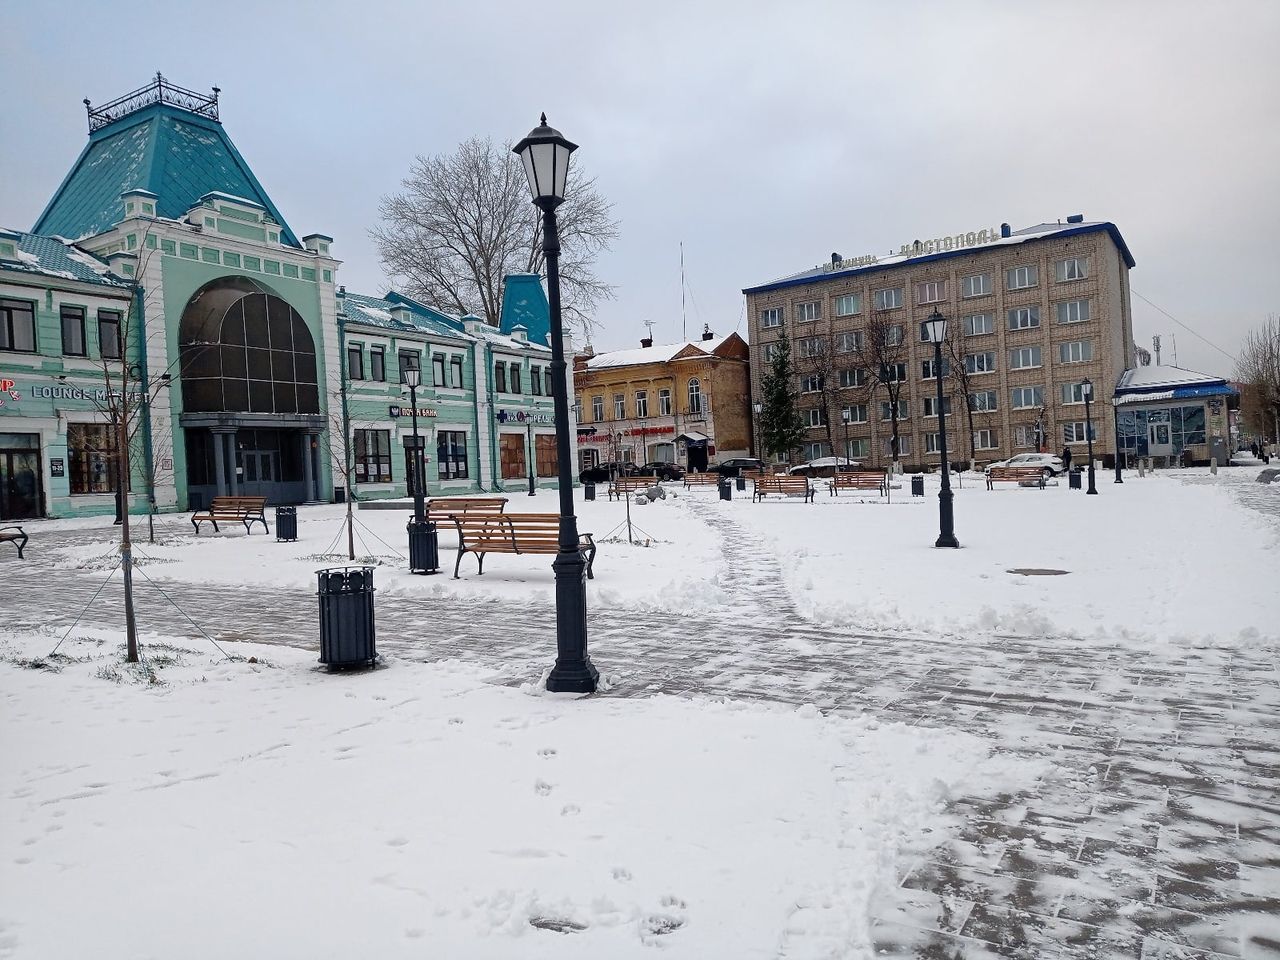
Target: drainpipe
x=494, y=475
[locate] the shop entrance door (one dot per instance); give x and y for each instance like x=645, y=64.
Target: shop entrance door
x=259, y=473
x=20, y=482
x=1159, y=438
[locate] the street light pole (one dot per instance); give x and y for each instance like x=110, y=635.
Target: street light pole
x=937, y=329
x=758, y=408
x=1087, y=389
x=424, y=547
x=545, y=156
x=1115, y=428
x=844, y=415
x=529, y=431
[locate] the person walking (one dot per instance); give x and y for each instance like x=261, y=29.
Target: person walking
x=1066, y=459
x=1253, y=448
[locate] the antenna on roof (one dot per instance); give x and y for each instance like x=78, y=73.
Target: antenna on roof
x=649, y=326
x=1155, y=342
x=684, y=327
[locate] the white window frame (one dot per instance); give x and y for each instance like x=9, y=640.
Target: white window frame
x=694, y=392
x=886, y=411
x=1030, y=352
x=989, y=403
x=858, y=413
x=970, y=325
x=808, y=347
x=931, y=444
x=858, y=376
x=986, y=438
x=808, y=311
x=977, y=364
x=1074, y=432
x=931, y=291
x=887, y=298
x=771, y=317
x=619, y=406
x=857, y=448
x=848, y=305
x=1072, y=394
x=928, y=373
x=813, y=383
x=815, y=417
x=770, y=351
x=642, y=404
x=899, y=371
x=850, y=341
x=1075, y=351
x=930, y=407
x=1073, y=311
x=1024, y=318
x=893, y=335
x=975, y=285
x=1022, y=277
x=664, y=402
x=1071, y=269
x=1024, y=436
x=597, y=409
x=1036, y=401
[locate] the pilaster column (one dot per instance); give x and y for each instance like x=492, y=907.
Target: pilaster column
x=307, y=473
x=219, y=461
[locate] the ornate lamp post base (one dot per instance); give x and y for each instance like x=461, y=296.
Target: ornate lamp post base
x=574, y=672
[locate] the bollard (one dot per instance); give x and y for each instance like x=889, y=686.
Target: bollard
x=1142, y=470
x=1213, y=466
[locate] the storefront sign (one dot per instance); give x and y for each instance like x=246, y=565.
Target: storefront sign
x=75, y=393
x=920, y=248
x=398, y=411
x=523, y=416
x=648, y=431
x=9, y=392
x=57, y=467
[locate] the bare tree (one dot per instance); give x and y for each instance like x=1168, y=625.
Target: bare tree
x=337, y=444
x=962, y=378
x=463, y=222
x=1258, y=368
x=819, y=375
x=886, y=352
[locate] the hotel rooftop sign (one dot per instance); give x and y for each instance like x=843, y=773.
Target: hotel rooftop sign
x=918, y=248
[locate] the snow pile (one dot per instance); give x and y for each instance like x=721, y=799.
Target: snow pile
x=201, y=807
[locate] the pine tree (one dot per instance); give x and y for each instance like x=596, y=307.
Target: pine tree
x=781, y=429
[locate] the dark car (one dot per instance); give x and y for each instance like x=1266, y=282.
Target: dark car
x=602, y=472
x=663, y=471
x=735, y=465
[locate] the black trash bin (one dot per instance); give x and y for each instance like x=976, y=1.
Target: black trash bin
x=346, y=617
x=726, y=488
x=424, y=547
x=740, y=482
x=286, y=523
x=917, y=485
x=588, y=491
x=1073, y=479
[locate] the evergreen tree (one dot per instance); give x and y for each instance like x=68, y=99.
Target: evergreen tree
x=781, y=429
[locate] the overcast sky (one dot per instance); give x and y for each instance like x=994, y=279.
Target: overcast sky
x=764, y=136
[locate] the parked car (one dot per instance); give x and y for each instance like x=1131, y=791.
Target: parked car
x=1052, y=465
x=602, y=472
x=663, y=470
x=735, y=465
x=823, y=467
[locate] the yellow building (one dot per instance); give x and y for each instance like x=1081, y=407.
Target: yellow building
x=687, y=403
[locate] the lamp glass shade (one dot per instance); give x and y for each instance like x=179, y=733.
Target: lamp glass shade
x=1086, y=388
x=757, y=407
x=936, y=327
x=544, y=154
x=844, y=415
x=411, y=376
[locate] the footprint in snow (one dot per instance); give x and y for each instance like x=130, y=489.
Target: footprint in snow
x=547, y=752
x=542, y=788
x=621, y=874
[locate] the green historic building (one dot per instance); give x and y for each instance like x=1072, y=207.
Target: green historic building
x=162, y=269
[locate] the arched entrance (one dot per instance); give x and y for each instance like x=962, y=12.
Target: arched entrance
x=250, y=395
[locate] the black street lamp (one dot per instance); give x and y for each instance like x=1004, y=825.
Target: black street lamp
x=936, y=326
x=1115, y=428
x=424, y=547
x=758, y=408
x=1087, y=389
x=844, y=416
x=545, y=155
x=528, y=424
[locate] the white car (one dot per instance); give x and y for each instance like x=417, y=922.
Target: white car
x=824, y=467
x=1051, y=464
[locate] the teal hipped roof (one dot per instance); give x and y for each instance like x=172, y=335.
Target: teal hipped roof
x=175, y=153
x=51, y=257
x=524, y=303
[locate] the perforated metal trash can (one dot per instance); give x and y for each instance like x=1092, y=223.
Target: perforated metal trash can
x=286, y=523
x=346, y=617
x=917, y=485
x=424, y=547
x=740, y=482
x=1073, y=479
x=588, y=491
x=726, y=488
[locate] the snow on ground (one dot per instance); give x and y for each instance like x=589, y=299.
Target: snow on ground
x=671, y=565
x=272, y=810
x=1152, y=560
x=1158, y=559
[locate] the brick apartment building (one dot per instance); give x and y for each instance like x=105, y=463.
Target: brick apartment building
x=683, y=403
x=1033, y=313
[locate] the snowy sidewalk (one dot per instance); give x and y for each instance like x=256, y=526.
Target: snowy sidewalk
x=1156, y=834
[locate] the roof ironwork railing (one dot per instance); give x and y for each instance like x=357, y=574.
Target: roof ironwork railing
x=159, y=90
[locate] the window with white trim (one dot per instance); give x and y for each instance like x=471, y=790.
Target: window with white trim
x=1073, y=311
x=812, y=383
x=642, y=403
x=811, y=347
x=695, y=395
x=1024, y=318
x=815, y=417
x=888, y=299
x=857, y=413
x=928, y=370
x=904, y=445
x=1076, y=432
x=984, y=401
x=931, y=406
x=893, y=372
x=1024, y=436
x=976, y=324
x=893, y=335
x=1073, y=268
x=619, y=406
x=1027, y=398
x=853, y=377
x=770, y=351
x=1075, y=351
x=886, y=410
x=808, y=311
x=931, y=444
x=848, y=305
x=986, y=439
x=597, y=409
x=817, y=451
x=1024, y=357
x=857, y=448
x=664, y=402
x=1021, y=278
x=850, y=341
x=1072, y=393
x=980, y=362
x=931, y=291
x=771, y=317
x=976, y=285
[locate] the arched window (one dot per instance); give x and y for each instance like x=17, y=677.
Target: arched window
x=695, y=396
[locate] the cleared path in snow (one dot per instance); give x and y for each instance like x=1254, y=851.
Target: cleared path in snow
x=1158, y=833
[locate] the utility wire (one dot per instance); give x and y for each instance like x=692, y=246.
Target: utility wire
x=1229, y=356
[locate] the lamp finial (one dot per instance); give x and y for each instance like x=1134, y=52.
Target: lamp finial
x=544, y=118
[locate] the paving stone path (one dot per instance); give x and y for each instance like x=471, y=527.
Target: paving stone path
x=1157, y=833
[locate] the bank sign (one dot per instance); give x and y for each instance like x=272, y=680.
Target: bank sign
x=398, y=411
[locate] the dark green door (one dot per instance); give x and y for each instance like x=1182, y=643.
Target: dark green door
x=19, y=484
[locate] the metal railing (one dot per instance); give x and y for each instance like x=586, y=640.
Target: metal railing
x=158, y=91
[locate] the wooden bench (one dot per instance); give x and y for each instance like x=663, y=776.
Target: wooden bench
x=701, y=480
x=858, y=480
x=514, y=533
x=18, y=539
x=446, y=508
x=752, y=475
x=786, y=484
x=246, y=510
x=1023, y=476
x=621, y=486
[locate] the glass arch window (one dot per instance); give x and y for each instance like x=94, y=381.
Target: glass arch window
x=246, y=350
x=695, y=395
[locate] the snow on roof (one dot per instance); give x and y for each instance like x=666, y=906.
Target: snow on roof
x=57, y=257
x=660, y=353
x=1163, y=377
